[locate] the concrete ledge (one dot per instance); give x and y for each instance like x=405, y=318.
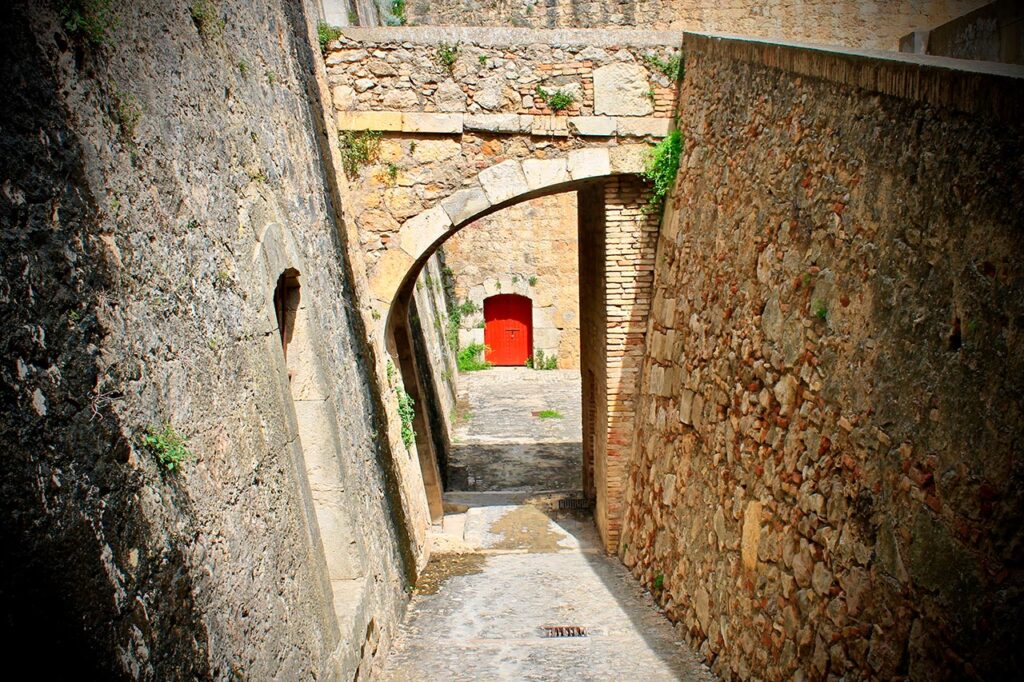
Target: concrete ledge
x=512, y=37
x=963, y=85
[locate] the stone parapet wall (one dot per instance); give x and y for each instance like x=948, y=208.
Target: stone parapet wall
x=826, y=475
x=402, y=70
x=865, y=23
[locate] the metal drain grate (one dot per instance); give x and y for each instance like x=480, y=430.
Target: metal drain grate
x=563, y=631
x=574, y=503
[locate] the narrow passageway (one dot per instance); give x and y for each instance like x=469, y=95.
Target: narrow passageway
x=518, y=587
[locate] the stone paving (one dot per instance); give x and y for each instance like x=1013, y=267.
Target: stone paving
x=504, y=444
x=510, y=563
x=479, y=615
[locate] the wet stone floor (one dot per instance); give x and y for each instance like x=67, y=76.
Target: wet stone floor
x=508, y=570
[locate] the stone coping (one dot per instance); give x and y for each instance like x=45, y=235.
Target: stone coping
x=513, y=37
x=961, y=84
x=512, y=124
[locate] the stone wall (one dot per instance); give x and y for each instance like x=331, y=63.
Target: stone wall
x=154, y=188
x=827, y=476
x=528, y=249
x=866, y=23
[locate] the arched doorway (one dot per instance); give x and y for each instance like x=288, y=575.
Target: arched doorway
x=508, y=329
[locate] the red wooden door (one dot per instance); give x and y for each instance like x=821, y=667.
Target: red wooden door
x=508, y=329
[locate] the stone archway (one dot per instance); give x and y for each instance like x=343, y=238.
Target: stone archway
x=617, y=239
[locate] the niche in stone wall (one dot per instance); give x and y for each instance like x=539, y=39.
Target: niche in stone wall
x=317, y=433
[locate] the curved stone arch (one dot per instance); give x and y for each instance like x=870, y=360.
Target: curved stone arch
x=494, y=188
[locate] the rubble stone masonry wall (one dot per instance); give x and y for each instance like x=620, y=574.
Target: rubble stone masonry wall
x=153, y=187
x=828, y=472
x=862, y=23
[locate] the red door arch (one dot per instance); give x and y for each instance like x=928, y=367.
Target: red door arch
x=508, y=329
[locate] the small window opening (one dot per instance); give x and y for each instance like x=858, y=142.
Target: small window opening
x=286, y=305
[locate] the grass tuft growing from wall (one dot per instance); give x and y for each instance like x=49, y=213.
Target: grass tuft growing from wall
x=662, y=166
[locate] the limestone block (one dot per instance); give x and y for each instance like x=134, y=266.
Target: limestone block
x=468, y=337
x=544, y=317
x=415, y=122
x=364, y=84
x=751, y=537
x=592, y=126
x=620, y=89
x=702, y=606
x=344, y=97
x=545, y=172
x=464, y=204
x=387, y=274
x=786, y=393
x=370, y=120
x=588, y=163
x=628, y=158
x=643, y=127
x=546, y=339
x=429, y=151
x=498, y=123
x=503, y=181
x=449, y=97
x=401, y=99
x=550, y=126
x=421, y=231
x=685, y=406
x=491, y=94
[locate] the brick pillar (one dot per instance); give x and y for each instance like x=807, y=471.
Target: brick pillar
x=617, y=243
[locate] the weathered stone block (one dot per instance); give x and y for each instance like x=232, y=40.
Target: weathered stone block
x=415, y=122
x=588, y=163
x=503, y=181
x=498, y=123
x=592, y=126
x=466, y=203
x=370, y=120
x=419, y=232
x=620, y=89
x=545, y=172
x=628, y=158
x=643, y=127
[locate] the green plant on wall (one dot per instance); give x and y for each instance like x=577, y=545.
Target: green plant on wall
x=358, y=148
x=661, y=169
x=91, y=20
x=326, y=34
x=406, y=413
x=169, y=448
x=671, y=67
x=397, y=17
x=540, y=360
x=446, y=56
x=471, y=358
x=205, y=17
x=556, y=100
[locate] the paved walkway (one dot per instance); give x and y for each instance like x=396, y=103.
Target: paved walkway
x=501, y=573
x=521, y=430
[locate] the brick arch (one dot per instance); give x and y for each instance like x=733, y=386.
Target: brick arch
x=494, y=188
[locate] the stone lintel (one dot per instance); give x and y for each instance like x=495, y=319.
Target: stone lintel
x=648, y=126
x=592, y=126
x=499, y=123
